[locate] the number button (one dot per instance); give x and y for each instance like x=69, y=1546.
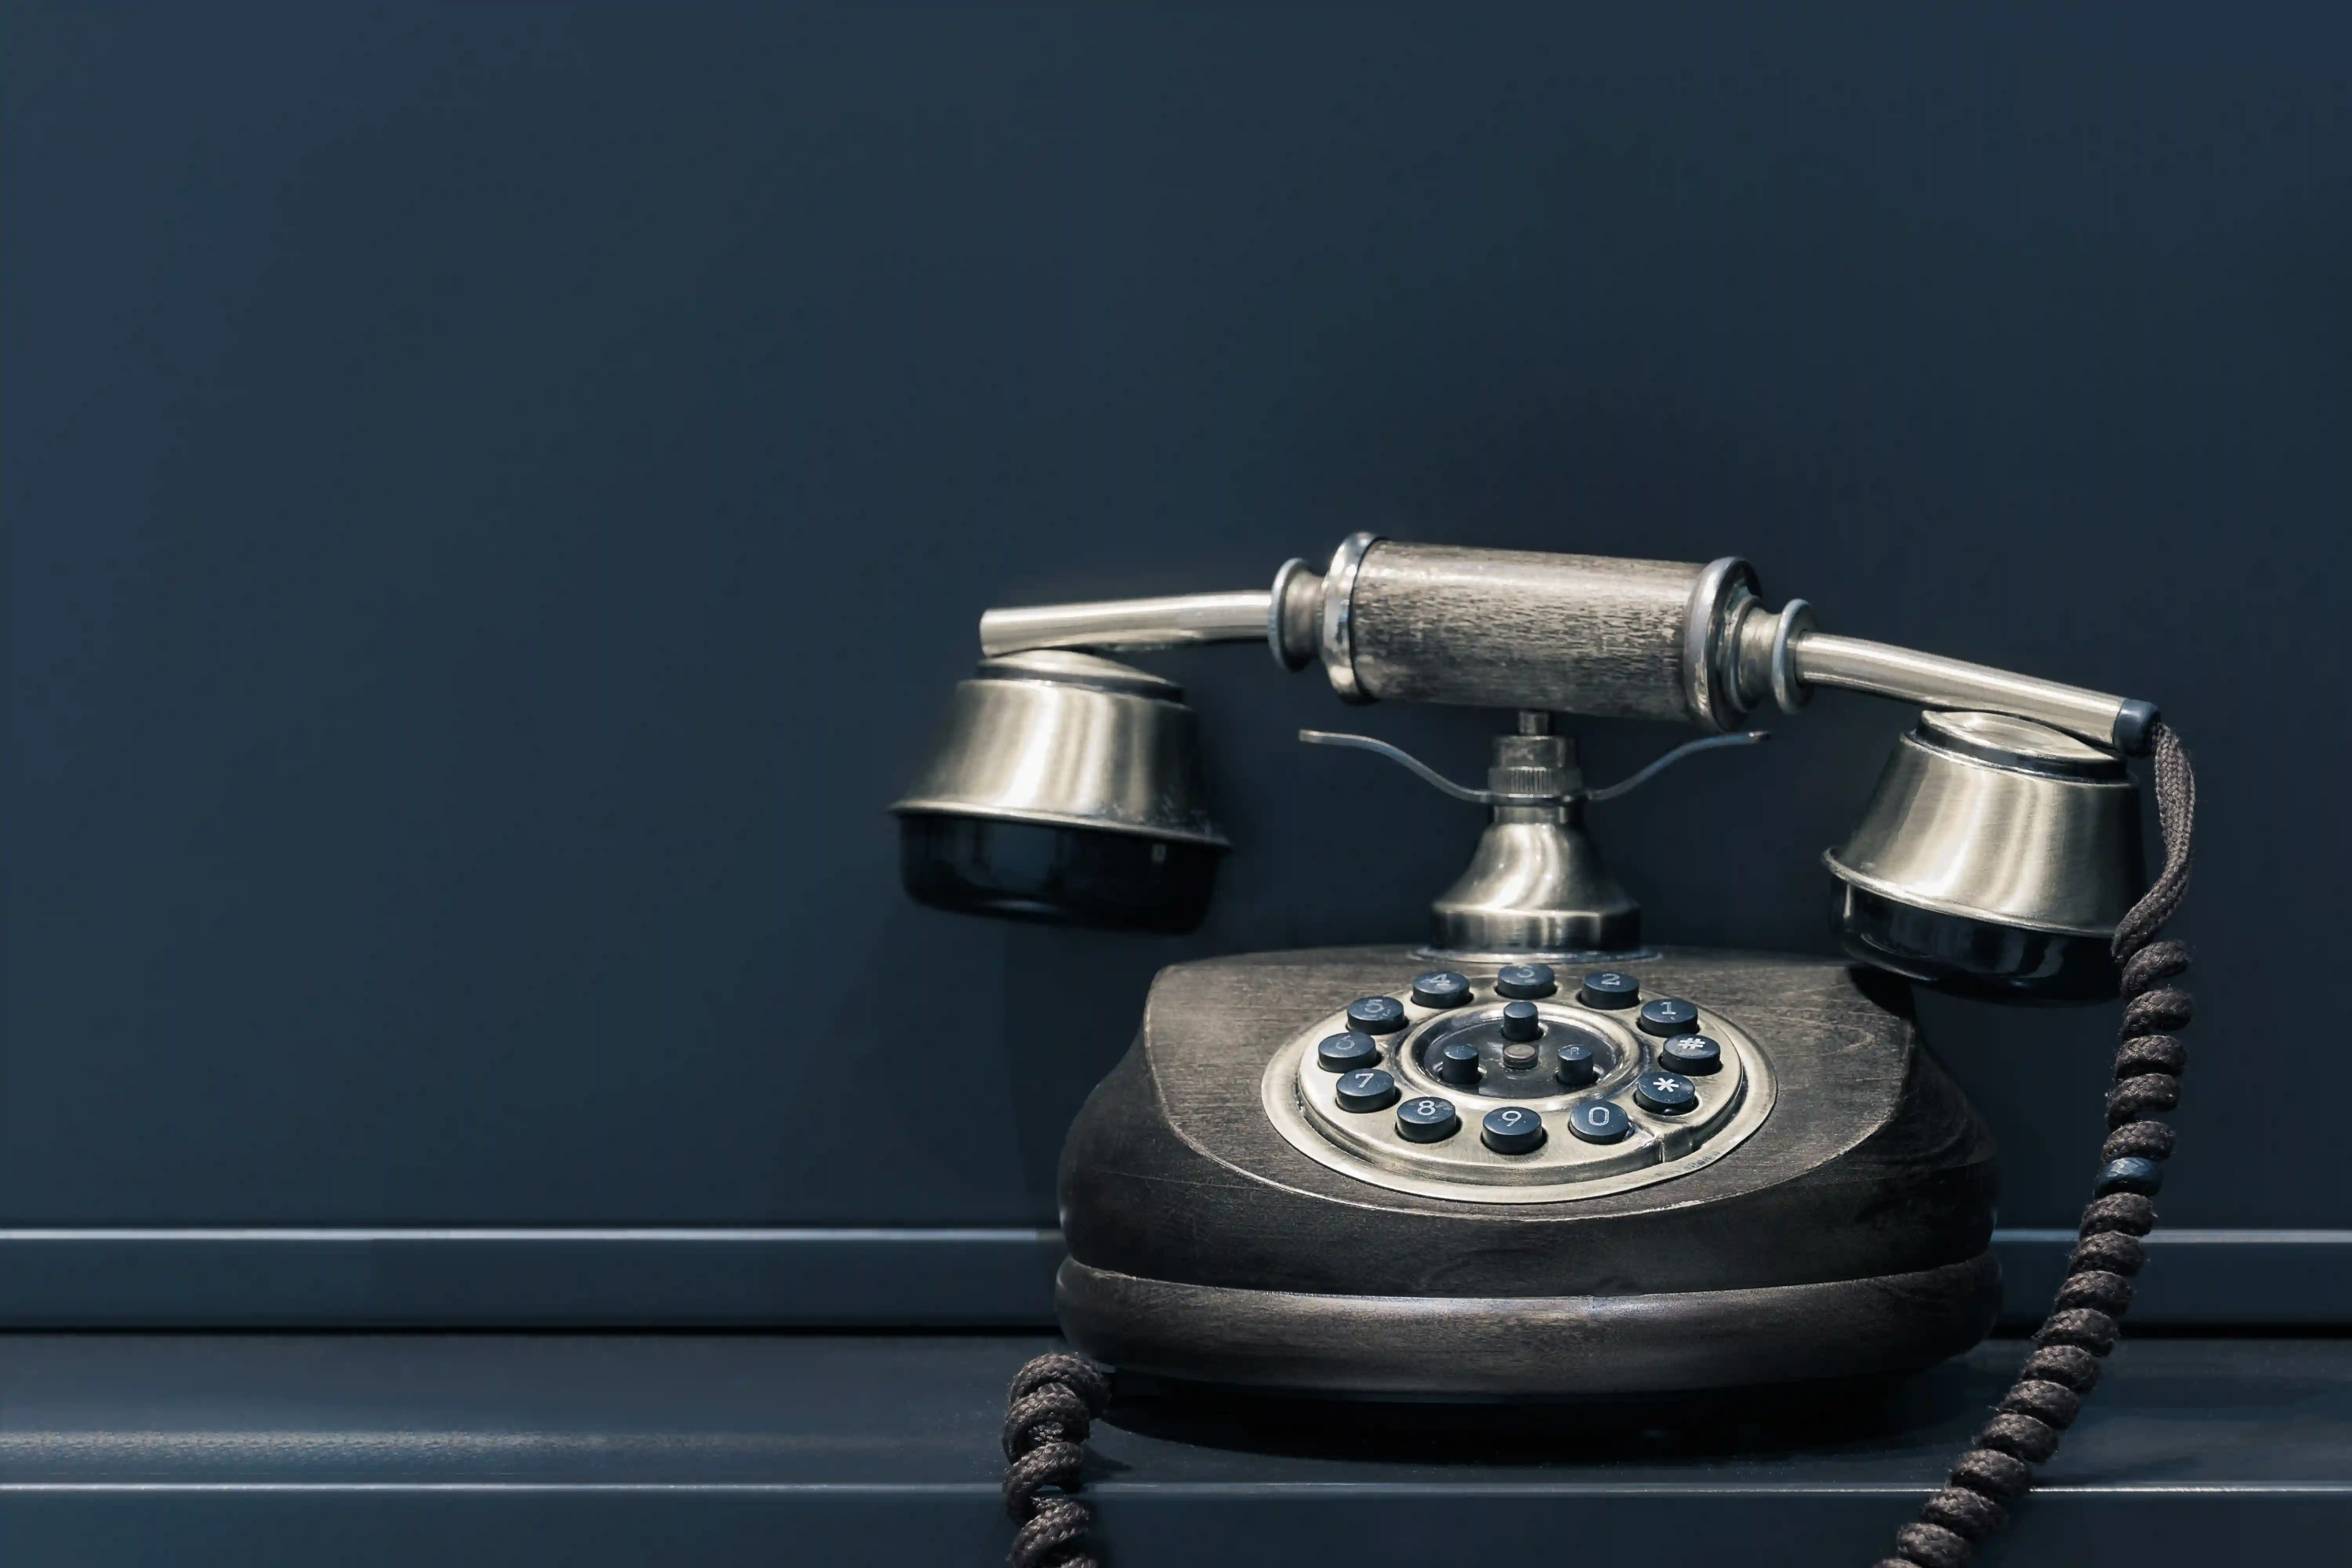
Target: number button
x=1368, y=1090
x=1609, y=989
x=1526, y=980
x=1376, y=1015
x=1444, y=988
x=1346, y=1052
x=1427, y=1120
x=1512, y=1130
x=1598, y=1120
x=1668, y=1016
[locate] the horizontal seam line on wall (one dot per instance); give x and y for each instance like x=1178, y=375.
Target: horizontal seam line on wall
x=517, y=1233
x=1217, y=1489
x=1010, y=1236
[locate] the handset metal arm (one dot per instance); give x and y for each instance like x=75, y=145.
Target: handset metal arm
x=1239, y=617
x=1396, y=621
x=1436, y=781
x=1818, y=659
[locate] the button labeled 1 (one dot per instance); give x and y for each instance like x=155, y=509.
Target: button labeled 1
x=1668, y=1016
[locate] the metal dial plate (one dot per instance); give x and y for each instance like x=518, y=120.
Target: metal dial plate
x=1300, y=1097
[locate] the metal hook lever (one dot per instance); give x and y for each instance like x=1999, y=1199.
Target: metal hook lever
x=1436, y=781
x=1686, y=749
x=1420, y=769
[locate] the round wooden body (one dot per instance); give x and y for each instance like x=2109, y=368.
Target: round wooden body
x=1846, y=1235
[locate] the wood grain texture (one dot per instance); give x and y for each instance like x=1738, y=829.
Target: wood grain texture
x=1871, y=1164
x=1570, y=634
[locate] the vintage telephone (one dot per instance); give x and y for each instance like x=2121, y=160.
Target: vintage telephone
x=1535, y=1158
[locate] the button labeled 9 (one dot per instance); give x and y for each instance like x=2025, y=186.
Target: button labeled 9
x=1513, y=1130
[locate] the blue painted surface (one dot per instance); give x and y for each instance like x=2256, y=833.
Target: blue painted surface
x=702, y=1278
x=263, y=1450
x=496, y=495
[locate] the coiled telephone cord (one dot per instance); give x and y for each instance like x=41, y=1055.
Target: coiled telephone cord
x=1055, y=1401
x=1056, y=1398
x=2084, y=1324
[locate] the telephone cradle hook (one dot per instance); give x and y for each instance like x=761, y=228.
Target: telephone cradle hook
x=1536, y=882
x=1436, y=781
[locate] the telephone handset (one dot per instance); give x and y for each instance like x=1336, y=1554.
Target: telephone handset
x=1534, y=1157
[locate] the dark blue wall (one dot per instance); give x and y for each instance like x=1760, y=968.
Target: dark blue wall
x=495, y=498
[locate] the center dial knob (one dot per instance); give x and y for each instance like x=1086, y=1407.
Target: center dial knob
x=1516, y=1052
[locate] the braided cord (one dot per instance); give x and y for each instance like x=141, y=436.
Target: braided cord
x=1053, y=1405
x=2084, y=1323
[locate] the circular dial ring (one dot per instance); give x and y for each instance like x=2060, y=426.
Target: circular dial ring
x=1732, y=1101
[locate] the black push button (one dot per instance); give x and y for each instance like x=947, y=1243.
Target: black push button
x=1667, y=1094
x=1511, y=1130
x=1368, y=1088
x=1376, y=1015
x=1346, y=1052
x=1692, y=1055
x=1442, y=989
x=1525, y=980
x=1598, y=1120
x=1609, y=989
x=1668, y=1016
x=1455, y=1062
x=1521, y=1022
x=1427, y=1120
x=1577, y=1066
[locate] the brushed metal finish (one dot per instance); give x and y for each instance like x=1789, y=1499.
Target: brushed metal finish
x=1485, y=628
x=1789, y=693
x=1998, y=818
x=1823, y=660
x=1561, y=633
x=1071, y=740
x=1339, y=616
x=1300, y=1100
x=1710, y=667
x=1237, y=617
x=1294, y=615
x=1535, y=881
